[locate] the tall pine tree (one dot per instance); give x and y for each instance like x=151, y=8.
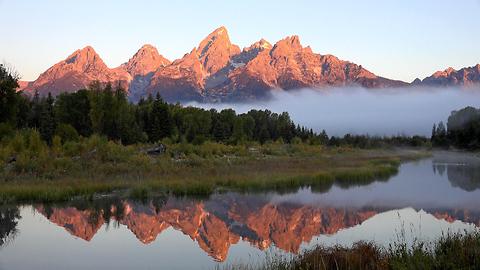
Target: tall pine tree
x=161, y=125
x=47, y=119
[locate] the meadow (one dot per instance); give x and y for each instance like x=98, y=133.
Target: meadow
x=31, y=170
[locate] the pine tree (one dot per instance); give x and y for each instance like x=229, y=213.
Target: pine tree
x=160, y=120
x=433, y=138
x=8, y=95
x=47, y=119
x=323, y=137
x=34, y=118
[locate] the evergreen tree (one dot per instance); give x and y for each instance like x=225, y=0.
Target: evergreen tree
x=160, y=120
x=74, y=109
x=47, y=119
x=323, y=137
x=35, y=113
x=8, y=96
x=434, y=133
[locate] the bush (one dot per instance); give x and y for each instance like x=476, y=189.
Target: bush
x=67, y=133
x=6, y=131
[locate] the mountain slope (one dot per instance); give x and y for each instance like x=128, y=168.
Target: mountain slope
x=77, y=71
x=468, y=76
x=144, y=61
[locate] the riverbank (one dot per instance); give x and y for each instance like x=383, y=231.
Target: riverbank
x=94, y=165
x=451, y=251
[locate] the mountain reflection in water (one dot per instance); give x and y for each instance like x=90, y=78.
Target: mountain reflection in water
x=223, y=220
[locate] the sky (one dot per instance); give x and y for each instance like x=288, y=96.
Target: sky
x=398, y=39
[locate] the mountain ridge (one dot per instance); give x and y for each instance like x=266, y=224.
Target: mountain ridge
x=217, y=70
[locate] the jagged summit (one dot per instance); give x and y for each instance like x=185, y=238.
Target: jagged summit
x=146, y=60
x=86, y=58
x=262, y=44
x=468, y=76
x=216, y=49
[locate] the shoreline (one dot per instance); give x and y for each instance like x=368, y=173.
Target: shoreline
x=186, y=169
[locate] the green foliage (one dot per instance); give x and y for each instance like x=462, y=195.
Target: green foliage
x=47, y=172
x=8, y=95
x=74, y=109
x=463, y=130
x=160, y=121
x=67, y=133
x=6, y=131
x=47, y=119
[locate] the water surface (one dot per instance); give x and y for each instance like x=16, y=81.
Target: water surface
x=424, y=199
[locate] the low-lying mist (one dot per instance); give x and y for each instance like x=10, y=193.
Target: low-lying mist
x=401, y=111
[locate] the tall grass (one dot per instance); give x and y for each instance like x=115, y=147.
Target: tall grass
x=451, y=251
x=31, y=170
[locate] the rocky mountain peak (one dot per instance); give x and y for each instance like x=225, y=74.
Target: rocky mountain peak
x=444, y=73
x=85, y=59
x=287, y=46
x=292, y=42
x=146, y=60
x=262, y=44
x=216, y=50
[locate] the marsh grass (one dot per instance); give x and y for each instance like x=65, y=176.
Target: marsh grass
x=450, y=251
x=95, y=165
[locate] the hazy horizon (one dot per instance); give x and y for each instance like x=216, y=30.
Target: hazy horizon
x=398, y=40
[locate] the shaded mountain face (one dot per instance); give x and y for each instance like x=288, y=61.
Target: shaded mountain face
x=217, y=70
x=468, y=76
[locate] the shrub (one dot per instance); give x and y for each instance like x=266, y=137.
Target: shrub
x=67, y=133
x=6, y=131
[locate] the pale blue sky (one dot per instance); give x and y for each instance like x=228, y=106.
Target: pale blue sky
x=399, y=39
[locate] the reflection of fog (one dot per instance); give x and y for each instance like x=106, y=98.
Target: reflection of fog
x=9, y=217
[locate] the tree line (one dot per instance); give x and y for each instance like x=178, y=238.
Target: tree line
x=462, y=130
x=105, y=110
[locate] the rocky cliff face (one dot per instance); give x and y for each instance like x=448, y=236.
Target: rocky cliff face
x=468, y=76
x=216, y=70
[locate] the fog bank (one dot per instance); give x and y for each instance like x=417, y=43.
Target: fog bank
x=407, y=111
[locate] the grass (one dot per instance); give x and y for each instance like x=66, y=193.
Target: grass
x=95, y=165
x=451, y=251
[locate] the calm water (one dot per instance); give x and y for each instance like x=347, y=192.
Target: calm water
x=426, y=198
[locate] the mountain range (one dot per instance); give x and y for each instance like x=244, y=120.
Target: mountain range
x=217, y=70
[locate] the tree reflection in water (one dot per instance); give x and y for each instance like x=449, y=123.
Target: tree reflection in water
x=464, y=175
x=9, y=216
